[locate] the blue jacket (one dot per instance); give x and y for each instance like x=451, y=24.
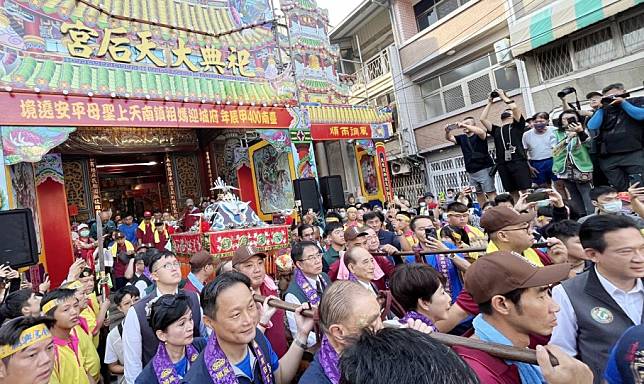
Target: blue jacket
x=314, y=374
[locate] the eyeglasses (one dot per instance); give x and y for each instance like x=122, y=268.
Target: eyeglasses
x=526, y=228
x=316, y=256
x=169, y=266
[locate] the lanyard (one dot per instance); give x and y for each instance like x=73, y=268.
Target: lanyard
x=509, y=136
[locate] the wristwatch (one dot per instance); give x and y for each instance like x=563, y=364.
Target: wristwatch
x=299, y=343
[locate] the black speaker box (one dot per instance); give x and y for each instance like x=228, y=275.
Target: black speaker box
x=18, y=245
x=306, y=190
x=332, y=192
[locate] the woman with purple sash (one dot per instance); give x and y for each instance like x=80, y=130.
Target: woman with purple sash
x=171, y=320
x=419, y=290
x=237, y=353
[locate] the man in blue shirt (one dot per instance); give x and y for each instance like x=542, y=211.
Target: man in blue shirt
x=236, y=349
x=447, y=265
x=128, y=228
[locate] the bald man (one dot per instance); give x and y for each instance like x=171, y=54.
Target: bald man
x=346, y=309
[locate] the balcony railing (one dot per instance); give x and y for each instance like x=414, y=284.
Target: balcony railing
x=373, y=68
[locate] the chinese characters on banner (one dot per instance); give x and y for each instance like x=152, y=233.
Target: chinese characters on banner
x=340, y=131
x=117, y=44
x=384, y=170
x=54, y=110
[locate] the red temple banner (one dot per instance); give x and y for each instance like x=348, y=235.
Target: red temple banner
x=58, y=110
x=340, y=131
x=224, y=243
x=186, y=243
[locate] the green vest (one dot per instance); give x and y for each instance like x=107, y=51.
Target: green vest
x=580, y=157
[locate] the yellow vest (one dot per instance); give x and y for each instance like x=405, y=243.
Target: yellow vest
x=529, y=254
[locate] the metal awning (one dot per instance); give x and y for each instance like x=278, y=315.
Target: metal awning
x=561, y=18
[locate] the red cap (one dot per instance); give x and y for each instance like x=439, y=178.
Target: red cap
x=147, y=214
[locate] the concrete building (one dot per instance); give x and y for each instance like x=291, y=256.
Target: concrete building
x=369, y=59
x=585, y=47
x=454, y=52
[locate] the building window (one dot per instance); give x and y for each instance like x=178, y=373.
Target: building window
x=633, y=33
x=554, y=62
x=590, y=48
x=594, y=49
x=428, y=12
x=466, y=85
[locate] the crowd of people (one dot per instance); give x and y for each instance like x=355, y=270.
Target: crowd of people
x=555, y=265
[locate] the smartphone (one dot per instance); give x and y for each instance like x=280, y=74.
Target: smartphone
x=572, y=120
x=430, y=233
x=536, y=196
x=635, y=178
x=452, y=127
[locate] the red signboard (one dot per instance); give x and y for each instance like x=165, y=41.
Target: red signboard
x=384, y=171
x=59, y=110
x=340, y=131
x=224, y=243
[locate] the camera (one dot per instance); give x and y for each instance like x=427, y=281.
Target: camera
x=609, y=99
x=566, y=91
x=494, y=94
x=452, y=127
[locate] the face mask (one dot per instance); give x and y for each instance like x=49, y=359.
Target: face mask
x=613, y=206
x=540, y=126
x=84, y=233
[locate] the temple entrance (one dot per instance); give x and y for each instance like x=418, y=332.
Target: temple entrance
x=133, y=183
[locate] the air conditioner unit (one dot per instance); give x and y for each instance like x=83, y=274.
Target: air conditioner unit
x=502, y=51
x=400, y=168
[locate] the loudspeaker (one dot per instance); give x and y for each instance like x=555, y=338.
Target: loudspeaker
x=332, y=192
x=306, y=190
x=18, y=245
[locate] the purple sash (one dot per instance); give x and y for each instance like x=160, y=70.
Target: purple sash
x=310, y=292
x=352, y=277
x=163, y=366
x=330, y=361
x=418, y=316
x=443, y=269
x=220, y=369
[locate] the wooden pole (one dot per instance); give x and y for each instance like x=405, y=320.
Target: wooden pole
x=505, y=352
x=440, y=252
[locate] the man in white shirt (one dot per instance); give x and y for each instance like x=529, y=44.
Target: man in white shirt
x=538, y=145
x=124, y=299
x=166, y=274
x=308, y=282
x=598, y=305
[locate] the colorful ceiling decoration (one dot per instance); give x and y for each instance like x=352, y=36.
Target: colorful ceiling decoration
x=65, y=46
x=313, y=57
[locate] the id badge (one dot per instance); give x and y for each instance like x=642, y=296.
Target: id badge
x=508, y=155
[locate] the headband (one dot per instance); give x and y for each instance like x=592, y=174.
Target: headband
x=332, y=220
x=28, y=337
x=74, y=285
x=48, y=306
x=403, y=218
